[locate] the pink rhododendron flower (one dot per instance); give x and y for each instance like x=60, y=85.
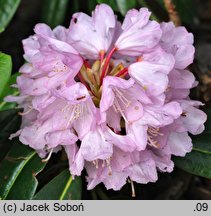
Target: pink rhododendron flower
x=138, y=33
x=114, y=97
x=89, y=35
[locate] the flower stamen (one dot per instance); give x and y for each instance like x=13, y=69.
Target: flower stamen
x=117, y=109
x=133, y=194
x=102, y=55
x=26, y=112
x=106, y=64
x=122, y=98
x=76, y=111
x=48, y=157
x=154, y=131
x=124, y=71
x=133, y=189
x=108, y=162
x=152, y=142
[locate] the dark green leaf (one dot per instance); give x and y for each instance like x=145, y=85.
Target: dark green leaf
x=120, y=5
x=111, y=3
x=10, y=123
x=208, y=122
x=54, y=12
x=125, y=5
x=91, y=5
x=5, y=70
x=161, y=3
x=202, y=143
x=26, y=183
x=17, y=173
x=186, y=9
x=144, y=3
x=198, y=161
x=76, y=5
x=8, y=90
x=62, y=187
x=7, y=10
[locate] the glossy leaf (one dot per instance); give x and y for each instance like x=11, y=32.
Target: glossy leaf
x=186, y=9
x=62, y=187
x=111, y=3
x=198, y=161
x=144, y=3
x=10, y=123
x=5, y=70
x=76, y=5
x=26, y=183
x=91, y=5
x=120, y=5
x=208, y=122
x=7, y=10
x=18, y=171
x=54, y=12
x=8, y=90
x=125, y=5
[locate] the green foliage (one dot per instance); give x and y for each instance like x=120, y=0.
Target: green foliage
x=186, y=10
x=10, y=123
x=20, y=164
x=5, y=70
x=198, y=161
x=54, y=11
x=7, y=10
x=8, y=90
x=18, y=171
x=111, y=3
x=144, y=3
x=120, y=5
x=125, y=5
x=208, y=122
x=62, y=187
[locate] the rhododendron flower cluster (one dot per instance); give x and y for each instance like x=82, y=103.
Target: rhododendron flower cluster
x=114, y=96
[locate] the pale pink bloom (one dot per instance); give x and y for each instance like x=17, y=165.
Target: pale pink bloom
x=52, y=61
x=119, y=96
x=193, y=119
x=104, y=139
x=180, y=83
x=154, y=117
x=143, y=168
x=140, y=167
x=114, y=97
x=93, y=35
x=139, y=33
x=179, y=143
x=156, y=65
x=162, y=158
x=75, y=158
x=54, y=38
x=57, y=118
x=179, y=42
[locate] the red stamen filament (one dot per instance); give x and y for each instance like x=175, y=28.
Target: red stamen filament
x=86, y=64
x=123, y=71
x=139, y=59
x=102, y=55
x=106, y=64
x=83, y=81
